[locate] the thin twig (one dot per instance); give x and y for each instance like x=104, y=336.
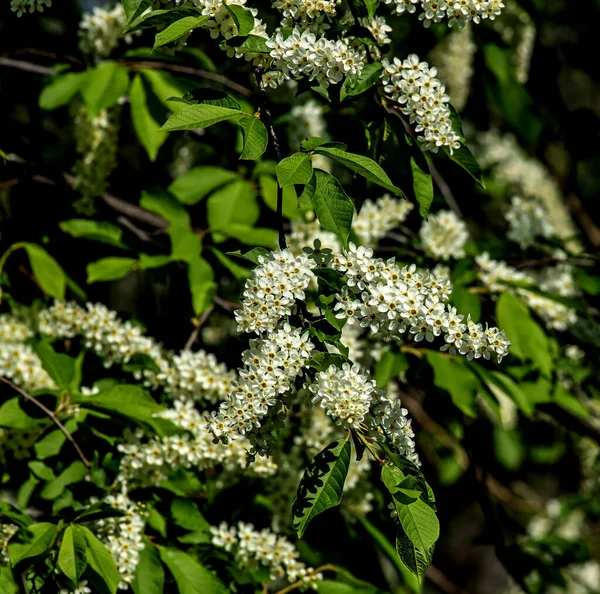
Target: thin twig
x=267, y=118
x=139, y=233
x=50, y=414
x=194, y=335
x=302, y=583
x=583, y=218
x=571, y=422
x=198, y=72
x=226, y=305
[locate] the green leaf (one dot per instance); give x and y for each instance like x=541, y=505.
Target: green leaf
x=149, y=575
x=74, y=473
x=202, y=285
x=451, y=375
x=235, y=203
x=242, y=17
x=30, y=542
x=364, y=166
x=72, y=554
x=134, y=8
x=14, y=417
x=101, y=561
x=419, y=527
x=145, y=124
x=46, y=271
x=208, y=96
x=191, y=577
x=390, y=552
x=197, y=116
x=13, y=515
x=268, y=190
x=160, y=18
x=359, y=83
x=422, y=182
x=61, y=90
x=163, y=204
x=415, y=560
x=322, y=484
x=251, y=255
x=7, y=581
x=257, y=236
x=95, y=230
x=252, y=43
x=104, y=86
x=296, y=169
x=463, y=156
x=508, y=447
x=255, y=137
x=178, y=29
x=157, y=261
x=333, y=207
x=198, y=182
x=108, y=269
x=131, y=402
x=466, y=302
x=239, y=272
x=186, y=515
x=312, y=142
x=528, y=339
x=501, y=385
x=389, y=367
x=60, y=367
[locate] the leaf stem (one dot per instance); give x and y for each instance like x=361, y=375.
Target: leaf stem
x=267, y=119
x=50, y=414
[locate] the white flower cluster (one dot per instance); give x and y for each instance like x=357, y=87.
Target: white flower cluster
x=271, y=293
x=122, y=535
x=557, y=280
x=390, y=419
x=304, y=10
x=375, y=219
x=527, y=219
x=149, y=462
x=391, y=300
x=415, y=86
x=456, y=12
x=378, y=217
x=345, y=393
x=527, y=177
x=195, y=375
x=6, y=532
x=303, y=54
x=272, y=364
x=272, y=550
x=96, y=141
x=18, y=361
x=100, y=31
x=444, y=235
x=23, y=6
x=379, y=29
x=453, y=57
x=102, y=331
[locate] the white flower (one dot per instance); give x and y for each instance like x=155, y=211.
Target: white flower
x=444, y=235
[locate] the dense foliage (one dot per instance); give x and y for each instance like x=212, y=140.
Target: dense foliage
x=275, y=317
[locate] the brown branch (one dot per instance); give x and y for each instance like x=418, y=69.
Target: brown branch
x=443, y=582
x=26, y=66
x=50, y=414
x=583, y=218
x=197, y=72
x=139, y=233
x=573, y=423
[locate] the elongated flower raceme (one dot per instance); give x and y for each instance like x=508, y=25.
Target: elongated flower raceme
x=390, y=300
x=415, y=86
x=455, y=12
